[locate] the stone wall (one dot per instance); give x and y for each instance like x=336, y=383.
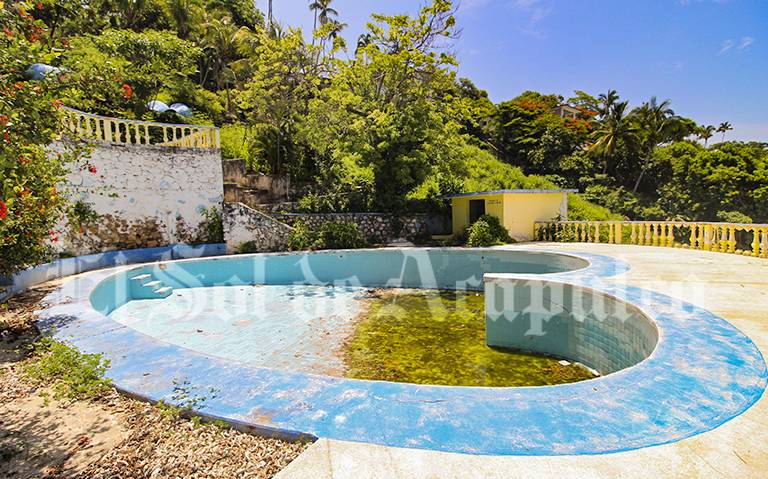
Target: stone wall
x=249, y=230
x=376, y=227
x=142, y=196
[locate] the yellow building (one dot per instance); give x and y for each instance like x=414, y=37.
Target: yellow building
x=517, y=210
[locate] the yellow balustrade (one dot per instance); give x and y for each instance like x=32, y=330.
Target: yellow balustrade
x=739, y=238
x=133, y=132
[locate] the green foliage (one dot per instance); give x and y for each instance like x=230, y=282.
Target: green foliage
x=487, y=231
x=30, y=204
x=71, y=374
x=479, y=234
x=339, y=235
x=728, y=177
x=234, y=142
x=387, y=119
x=733, y=217
x=301, y=238
x=330, y=235
x=212, y=227
x=125, y=69
x=80, y=214
x=275, y=99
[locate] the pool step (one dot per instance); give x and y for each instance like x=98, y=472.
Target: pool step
x=164, y=290
x=152, y=284
x=141, y=277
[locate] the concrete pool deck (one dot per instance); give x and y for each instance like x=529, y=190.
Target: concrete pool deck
x=734, y=287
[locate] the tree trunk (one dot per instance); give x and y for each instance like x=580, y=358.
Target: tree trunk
x=269, y=16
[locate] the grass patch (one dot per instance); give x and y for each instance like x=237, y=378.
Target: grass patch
x=71, y=374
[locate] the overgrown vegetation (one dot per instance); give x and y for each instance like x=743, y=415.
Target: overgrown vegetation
x=71, y=374
x=384, y=124
x=487, y=231
x=397, y=338
x=330, y=235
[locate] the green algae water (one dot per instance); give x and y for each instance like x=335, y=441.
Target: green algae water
x=438, y=337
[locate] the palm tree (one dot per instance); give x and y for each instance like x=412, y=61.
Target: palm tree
x=335, y=29
x=723, y=128
x=655, y=122
x=706, y=132
x=323, y=11
x=615, y=128
x=607, y=100
x=269, y=15
x=184, y=14
x=221, y=38
x=363, y=41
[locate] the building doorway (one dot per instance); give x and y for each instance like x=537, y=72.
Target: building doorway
x=476, y=210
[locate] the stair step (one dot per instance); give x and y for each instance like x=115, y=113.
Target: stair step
x=152, y=284
x=166, y=289
x=141, y=277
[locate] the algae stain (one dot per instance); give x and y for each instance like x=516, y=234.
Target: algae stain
x=438, y=337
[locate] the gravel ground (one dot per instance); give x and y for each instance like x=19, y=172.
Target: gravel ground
x=114, y=436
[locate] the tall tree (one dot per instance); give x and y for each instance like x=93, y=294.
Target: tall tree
x=706, y=132
x=723, y=128
x=323, y=11
x=654, y=124
x=386, y=120
x=616, y=128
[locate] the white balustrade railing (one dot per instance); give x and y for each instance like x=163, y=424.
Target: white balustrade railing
x=135, y=132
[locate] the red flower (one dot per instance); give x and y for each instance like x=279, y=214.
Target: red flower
x=33, y=37
x=127, y=91
x=57, y=103
x=3, y=210
x=3, y=119
x=8, y=32
x=7, y=136
x=23, y=160
x=39, y=5
x=92, y=169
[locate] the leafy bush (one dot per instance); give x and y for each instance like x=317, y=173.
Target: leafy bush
x=301, y=237
x=211, y=229
x=73, y=375
x=733, y=217
x=487, y=231
x=234, y=142
x=479, y=234
x=339, y=235
x=331, y=235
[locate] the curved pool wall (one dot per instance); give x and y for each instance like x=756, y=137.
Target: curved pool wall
x=395, y=268
x=702, y=373
x=568, y=321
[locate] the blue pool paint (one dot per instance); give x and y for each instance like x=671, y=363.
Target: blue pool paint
x=702, y=372
x=295, y=327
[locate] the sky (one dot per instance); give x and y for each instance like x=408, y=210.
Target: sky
x=709, y=57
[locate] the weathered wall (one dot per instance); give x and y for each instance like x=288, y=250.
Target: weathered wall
x=249, y=230
x=375, y=227
x=143, y=196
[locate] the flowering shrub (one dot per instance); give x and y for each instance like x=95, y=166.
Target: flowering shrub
x=30, y=204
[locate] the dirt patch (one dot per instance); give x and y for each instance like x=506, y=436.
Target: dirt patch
x=113, y=436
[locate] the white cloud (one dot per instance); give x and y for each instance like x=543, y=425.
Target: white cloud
x=727, y=45
x=742, y=44
x=537, y=10
x=746, y=42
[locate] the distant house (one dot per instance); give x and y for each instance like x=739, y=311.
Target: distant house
x=517, y=210
x=567, y=111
